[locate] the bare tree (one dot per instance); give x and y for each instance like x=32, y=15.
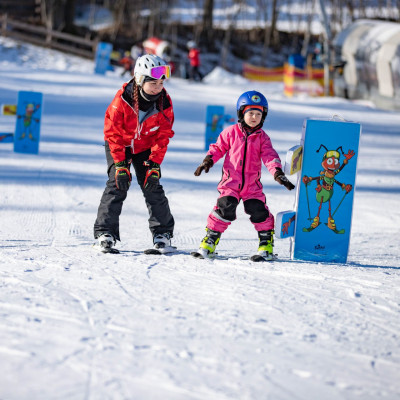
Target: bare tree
x=119, y=8
x=69, y=16
x=273, y=32
x=228, y=33
x=262, y=5
x=135, y=22
x=307, y=34
x=207, y=27
x=53, y=14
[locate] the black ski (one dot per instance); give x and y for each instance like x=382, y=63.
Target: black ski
x=159, y=252
x=195, y=254
x=152, y=252
x=214, y=256
x=260, y=258
x=105, y=250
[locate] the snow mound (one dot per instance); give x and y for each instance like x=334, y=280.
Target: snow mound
x=220, y=75
x=24, y=55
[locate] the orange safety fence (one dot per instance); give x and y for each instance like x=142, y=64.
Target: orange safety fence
x=296, y=81
x=262, y=74
x=308, y=81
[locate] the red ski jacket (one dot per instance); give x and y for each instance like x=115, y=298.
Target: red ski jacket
x=122, y=128
x=194, y=57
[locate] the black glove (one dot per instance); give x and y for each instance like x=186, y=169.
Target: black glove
x=280, y=177
x=205, y=165
x=122, y=175
x=153, y=175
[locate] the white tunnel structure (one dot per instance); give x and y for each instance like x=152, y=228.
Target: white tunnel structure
x=370, y=53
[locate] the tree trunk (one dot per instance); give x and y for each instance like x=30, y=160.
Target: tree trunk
x=69, y=16
x=228, y=35
x=274, y=20
x=208, y=15
x=263, y=5
x=207, y=25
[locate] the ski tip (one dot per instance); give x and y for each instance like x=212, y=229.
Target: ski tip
x=160, y=251
x=260, y=258
x=195, y=254
x=103, y=250
x=152, y=252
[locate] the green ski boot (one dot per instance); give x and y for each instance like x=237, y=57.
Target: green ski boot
x=208, y=245
x=266, y=246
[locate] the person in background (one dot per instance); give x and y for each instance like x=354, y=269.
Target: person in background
x=137, y=129
x=194, y=61
x=127, y=63
x=245, y=146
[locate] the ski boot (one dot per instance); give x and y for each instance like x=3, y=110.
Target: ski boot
x=208, y=245
x=162, y=244
x=106, y=243
x=162, y=241
x=265, y=247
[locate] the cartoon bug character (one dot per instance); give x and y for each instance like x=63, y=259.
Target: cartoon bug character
x=215, y=121
x=325, y=182
x=28, y=118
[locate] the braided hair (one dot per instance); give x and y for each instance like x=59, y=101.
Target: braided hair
x=135, y=99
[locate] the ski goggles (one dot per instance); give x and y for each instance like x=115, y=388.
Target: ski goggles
x=160, y=72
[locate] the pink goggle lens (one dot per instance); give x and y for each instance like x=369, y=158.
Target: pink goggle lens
x=162, y=71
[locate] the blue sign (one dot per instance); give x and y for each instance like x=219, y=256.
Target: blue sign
x=103, y=55
x=297, y=60
x=284, y=224
x=6, y=137
x=326, y=190
x=215, y=119
x=27, y=126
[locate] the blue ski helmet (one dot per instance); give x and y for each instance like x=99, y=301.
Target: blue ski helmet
x=251, y=98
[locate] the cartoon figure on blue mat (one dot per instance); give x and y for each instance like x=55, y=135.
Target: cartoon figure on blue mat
x=28, y=119
x=325, y=183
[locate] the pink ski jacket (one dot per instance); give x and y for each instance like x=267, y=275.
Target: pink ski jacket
x=241, y=172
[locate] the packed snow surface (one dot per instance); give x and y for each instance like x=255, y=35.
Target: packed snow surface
x=77, y=324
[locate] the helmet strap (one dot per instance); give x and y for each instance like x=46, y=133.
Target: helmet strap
x=139, y=79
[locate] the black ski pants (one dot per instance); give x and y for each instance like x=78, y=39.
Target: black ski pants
x=160, y=217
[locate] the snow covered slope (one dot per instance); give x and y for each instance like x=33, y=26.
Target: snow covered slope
x=76, y=324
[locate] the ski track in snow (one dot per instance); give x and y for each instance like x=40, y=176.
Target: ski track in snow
x=78, y=324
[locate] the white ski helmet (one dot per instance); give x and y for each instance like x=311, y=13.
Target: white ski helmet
x=150, y=66
x=191, y=44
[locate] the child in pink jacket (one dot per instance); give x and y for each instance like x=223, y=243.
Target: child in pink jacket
x=245, y=145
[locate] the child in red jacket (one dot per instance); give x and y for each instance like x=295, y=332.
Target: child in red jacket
x=137, y=129
x=194, y=59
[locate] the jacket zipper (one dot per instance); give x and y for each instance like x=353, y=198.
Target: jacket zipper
x=244, y=161
x=139, y=126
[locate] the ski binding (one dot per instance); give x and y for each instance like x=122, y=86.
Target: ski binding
x=160, y=251
x=105, y=250
x=203, y=254
x=262, y=258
